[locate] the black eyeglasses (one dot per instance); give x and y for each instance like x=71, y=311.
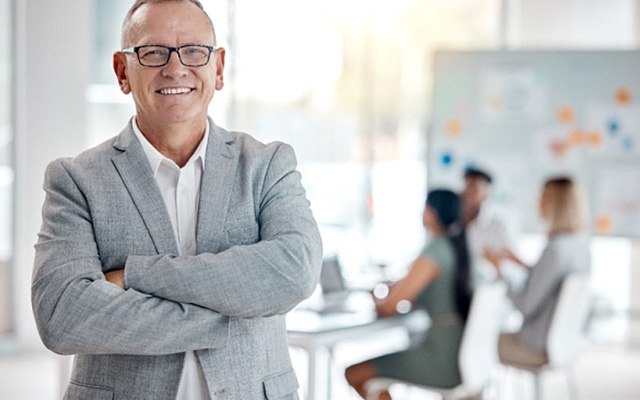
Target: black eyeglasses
x=191, y=55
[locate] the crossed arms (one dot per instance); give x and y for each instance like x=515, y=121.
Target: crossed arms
x=170, y=304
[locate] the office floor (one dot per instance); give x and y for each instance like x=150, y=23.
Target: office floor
x=608, y=370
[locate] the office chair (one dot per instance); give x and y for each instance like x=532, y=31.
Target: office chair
x=566, y=339
x=478, y=350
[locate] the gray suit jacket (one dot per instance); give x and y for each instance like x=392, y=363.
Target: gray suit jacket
x=258, y=255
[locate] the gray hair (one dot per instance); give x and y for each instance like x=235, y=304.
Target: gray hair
x=127, y=26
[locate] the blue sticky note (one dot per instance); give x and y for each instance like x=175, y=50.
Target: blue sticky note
x=614, y=127
x=627, y=143
x=446, y=159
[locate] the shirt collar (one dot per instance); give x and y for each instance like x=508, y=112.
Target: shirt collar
x=155, y=157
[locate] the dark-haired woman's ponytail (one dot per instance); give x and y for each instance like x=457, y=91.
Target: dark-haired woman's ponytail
x=462, y=285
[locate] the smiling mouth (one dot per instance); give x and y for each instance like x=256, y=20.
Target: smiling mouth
x=174, y=91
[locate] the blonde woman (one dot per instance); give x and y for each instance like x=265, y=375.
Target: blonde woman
x=563, y=208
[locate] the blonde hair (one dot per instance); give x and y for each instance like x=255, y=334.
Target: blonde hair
x=568, y=211
x=127, y=26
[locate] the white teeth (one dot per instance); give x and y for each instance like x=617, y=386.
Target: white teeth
x=175, y=91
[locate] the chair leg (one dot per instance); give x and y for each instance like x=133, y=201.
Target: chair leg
x=492, y=390
x=537, y=386
x=571, y=384
x=503, y=382
x=524, y=376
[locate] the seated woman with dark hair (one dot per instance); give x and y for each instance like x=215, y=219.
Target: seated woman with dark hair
x=438, y=280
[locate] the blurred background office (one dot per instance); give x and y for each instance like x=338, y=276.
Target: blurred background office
x=347, y=82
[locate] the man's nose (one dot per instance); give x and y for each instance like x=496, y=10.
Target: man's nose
x=174, y=65
x=174, y=55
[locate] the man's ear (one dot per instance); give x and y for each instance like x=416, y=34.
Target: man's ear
x=120, y=68
x=219, y=60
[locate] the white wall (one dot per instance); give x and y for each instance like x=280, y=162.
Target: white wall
x=52, y=70
x=598, y=24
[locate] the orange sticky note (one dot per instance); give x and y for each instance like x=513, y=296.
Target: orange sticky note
x=604, y=224
x=623, y=96
x=565, y=114
x=453, y=127
x=576, y=137
x=595, y=138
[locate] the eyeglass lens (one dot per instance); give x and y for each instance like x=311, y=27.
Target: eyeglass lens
x=193, y=56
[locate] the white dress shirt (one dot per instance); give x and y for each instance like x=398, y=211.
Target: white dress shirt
x=180, y=188
x=489, y=230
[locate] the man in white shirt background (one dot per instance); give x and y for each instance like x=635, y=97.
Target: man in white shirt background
x=486, y=227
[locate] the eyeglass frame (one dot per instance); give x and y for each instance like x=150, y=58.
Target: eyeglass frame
x=136, y=50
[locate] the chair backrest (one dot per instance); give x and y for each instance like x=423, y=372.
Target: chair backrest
x=566, y=337
x=479, y=347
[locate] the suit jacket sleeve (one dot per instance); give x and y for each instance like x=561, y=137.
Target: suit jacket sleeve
x=265, y=278
x=78, y=311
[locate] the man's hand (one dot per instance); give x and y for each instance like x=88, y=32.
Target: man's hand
x=116, y=277
x=494, y=257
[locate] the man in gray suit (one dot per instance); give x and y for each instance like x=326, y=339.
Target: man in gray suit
x=169, y=255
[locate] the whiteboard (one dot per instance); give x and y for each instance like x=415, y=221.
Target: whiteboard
x=529, y=115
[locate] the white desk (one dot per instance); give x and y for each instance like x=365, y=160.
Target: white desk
x=318, y=334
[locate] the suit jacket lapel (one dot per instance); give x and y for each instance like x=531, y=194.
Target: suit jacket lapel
x=136, y=174
x=215, y=191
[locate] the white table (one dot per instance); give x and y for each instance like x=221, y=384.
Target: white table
x=318, y=334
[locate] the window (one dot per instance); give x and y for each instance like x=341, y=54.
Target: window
x=108, y=109
x=6, y=165
x=347, y=83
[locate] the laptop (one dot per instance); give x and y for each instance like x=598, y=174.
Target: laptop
x=331, y=279
x=337, y=297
